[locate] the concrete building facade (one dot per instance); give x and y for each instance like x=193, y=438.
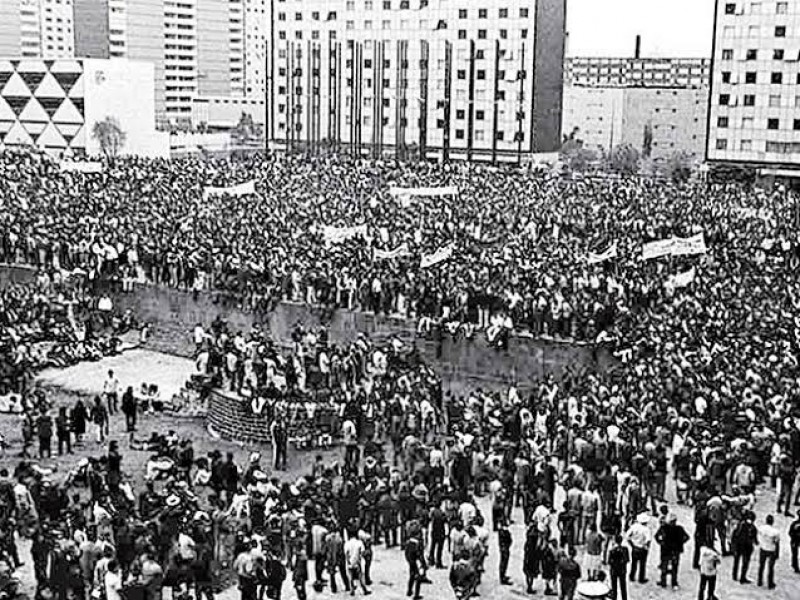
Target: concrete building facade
x=451, y=81
x=637, y=72
x=754, y=106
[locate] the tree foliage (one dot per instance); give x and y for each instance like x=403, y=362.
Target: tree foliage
x=110, y=136
x=624, y=160
x=679, y=166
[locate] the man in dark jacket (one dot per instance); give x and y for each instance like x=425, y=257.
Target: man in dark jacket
x=618, y=559
x=415, y=557
x=504, y=541
x=672, y=538
x=743, y=541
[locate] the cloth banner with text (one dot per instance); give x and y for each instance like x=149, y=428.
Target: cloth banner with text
x=242, y=189
x=441, y=255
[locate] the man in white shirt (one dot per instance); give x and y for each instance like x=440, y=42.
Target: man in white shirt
x=113, y=581
x=769, y=540
x=111, y=391
x=639, y=538
x=353, y=555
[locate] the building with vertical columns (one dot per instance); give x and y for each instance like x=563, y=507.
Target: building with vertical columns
x=451, y=80
x=754, y=106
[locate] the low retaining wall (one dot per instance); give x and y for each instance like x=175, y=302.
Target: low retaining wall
x=231, y=418
x=463, y=364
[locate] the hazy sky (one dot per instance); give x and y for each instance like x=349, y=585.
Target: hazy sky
x=667, y=27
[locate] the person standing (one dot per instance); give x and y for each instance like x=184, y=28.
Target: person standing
x=743, y=541
x=709, y=563
x=416, y=565
x=334, y=558
x=44, y=429
x=129, y=410
x=672, y=538
x=794, y=541
x=78, y=416
x=618, y=559
x=504, y=540
x=769, y=548
x=300, y=574
x=279, y=442
x=639, y=538
x=99, y=417
x=354, y=556
x=438, y=535
x=569, y=572
x=63, y=433
x=111, y=392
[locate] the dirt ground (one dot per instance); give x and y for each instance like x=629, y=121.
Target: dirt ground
x=389, y=570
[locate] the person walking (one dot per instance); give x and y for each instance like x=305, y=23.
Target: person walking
x=769, y=548
x=416, y=565
x=618, y=559
x=78, y=416
x=99, y=417
x=709, y=563
x=743, y=541
x=111, y=392
x=794, y=541
x=639, y=538
x=354, y=557
x=334, y=558
x=44, y=429
x=438, y=522
x=569, y=572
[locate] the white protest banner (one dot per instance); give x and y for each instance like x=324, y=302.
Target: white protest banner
x=681, y=280
x=81, y=167
x=337, y=235
x=594, y=259
x=657, y=249
x=440, y=255
x=242, y=189
x=405, y=195
x=401, y=250
x=689, y=246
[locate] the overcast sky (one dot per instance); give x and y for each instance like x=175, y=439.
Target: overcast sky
x=668, y=27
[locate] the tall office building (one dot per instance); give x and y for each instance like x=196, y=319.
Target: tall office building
x=257, y=27
x=36, y=28
x=754, y=108
x=453, y=80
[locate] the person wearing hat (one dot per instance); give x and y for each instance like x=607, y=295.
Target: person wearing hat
x=639, y=538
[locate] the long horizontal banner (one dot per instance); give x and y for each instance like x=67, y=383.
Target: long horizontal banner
x=595, y=259
x=681, y=280
x=441, y=255
x=242, y=189
x=675, y=246
x=81, y=167
x=401, y=250
x=337, y=235
x=406, y=195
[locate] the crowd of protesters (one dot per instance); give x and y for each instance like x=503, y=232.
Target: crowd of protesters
x=704, y=396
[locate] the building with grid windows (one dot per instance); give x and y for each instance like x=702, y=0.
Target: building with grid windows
x=754, y=106
x=637, y=72
x=448, y=79
x=36, y=28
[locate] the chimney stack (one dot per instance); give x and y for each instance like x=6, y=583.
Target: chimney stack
x=638, y=52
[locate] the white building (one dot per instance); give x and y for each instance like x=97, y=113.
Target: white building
x=257, y=26
x=45, y=27
x=754, y=109
x=455, y=79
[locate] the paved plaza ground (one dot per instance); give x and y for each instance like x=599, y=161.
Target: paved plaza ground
x=389, y=570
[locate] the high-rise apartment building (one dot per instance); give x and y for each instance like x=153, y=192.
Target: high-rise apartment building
x=454, y=80
x=36, y=28
x=754, y=107
x=257, y=28
x=637, y=72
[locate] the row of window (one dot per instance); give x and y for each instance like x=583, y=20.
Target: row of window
x=479, y=135
x=772, y=147
x=733, y=8
x=752, y=54
x=751, y=77
x=747, y=123
x=775, y=100
x=462, y=33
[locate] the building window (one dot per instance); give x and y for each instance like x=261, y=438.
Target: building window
x=368, y=5
x=780, y=31
x=782, y=8
x=387, y=4
x=796, y=125
x=749, y=99
x=747, y=122
x=724, y=100
x=722, y=122
x=481, y=74
x=460, y=113
x=752, y=54
x=459, y=134
x=479, y=55
x=523, y=34
x=722, y=144
x=776, y=78
x=730, y=8
x=479, y=115
x=503, y=34
x=462, y=34
x=482, y=13
x=726, y=77
x=773, y=124
x=462, y=13
x=746, y=145
x=777, y=54
x=281, y=16
x=503, y=13
x=462, y=74
x=774, y=101
x=750, y=77
x=481, y=34
x=523, y=13
x=298, y=16
x=797, y=101
x=479, y=136
x=727, y=54
x=500, y=136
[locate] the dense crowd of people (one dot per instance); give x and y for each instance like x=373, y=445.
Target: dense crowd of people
x=704, y=395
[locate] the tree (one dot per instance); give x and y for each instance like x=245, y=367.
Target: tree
x=624, y=160
x=679, y=166
x=647, y=142
x=110, y=136
x=247, y=130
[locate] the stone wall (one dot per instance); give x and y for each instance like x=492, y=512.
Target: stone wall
x=462, y=363
x=231, y=419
